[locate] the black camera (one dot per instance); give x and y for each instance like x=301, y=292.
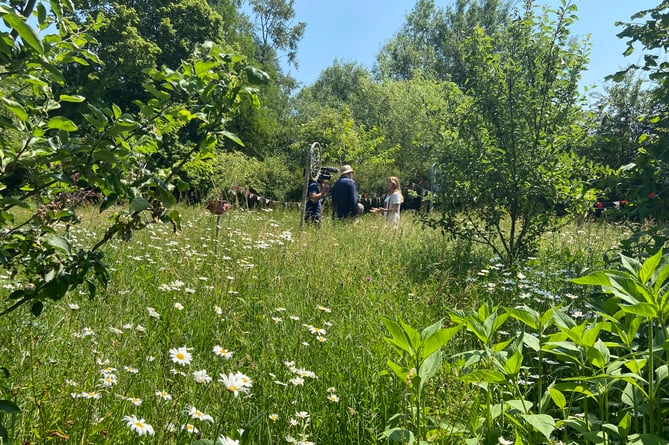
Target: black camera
x=326, y=173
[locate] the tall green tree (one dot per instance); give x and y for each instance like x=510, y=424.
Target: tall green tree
x=619, y=112
x=275, y=31
x=646, y=182
x=138, y=35
x=430, y=40
x=508, y=164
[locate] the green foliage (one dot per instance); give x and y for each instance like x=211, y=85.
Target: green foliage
x=508, y=167
x=419, y=359
x=644, y=181
x=52, y=162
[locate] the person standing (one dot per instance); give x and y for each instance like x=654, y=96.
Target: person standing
x=392, y=202
x=315, y=194
x=345, y=195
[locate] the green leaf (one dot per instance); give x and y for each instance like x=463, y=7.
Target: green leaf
x=16, y=108
x=598, y=278
x=399, y=372
x=650, y=266
x=61, y=123
x=643, y=309
x=543, y=423
x=437, y=340
x=27, y=34
x=139, y=204
x=398, y=338
x=74, y=98
x=60, y=243
x=557, y=397
x=7, y=406
x=256, y=76
x=513, y=364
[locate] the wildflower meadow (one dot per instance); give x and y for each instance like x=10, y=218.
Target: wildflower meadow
x=261, y=332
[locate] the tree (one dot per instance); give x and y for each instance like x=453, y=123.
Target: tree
x=430, y=40
x=646, y=182
x=618, y=113
x=508, y=164
x=275, y=31
x=54, y=164
x=134, y=36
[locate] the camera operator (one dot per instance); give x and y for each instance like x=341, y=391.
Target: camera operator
x=315, y=195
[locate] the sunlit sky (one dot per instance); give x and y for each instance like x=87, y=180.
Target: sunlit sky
x=355, y=31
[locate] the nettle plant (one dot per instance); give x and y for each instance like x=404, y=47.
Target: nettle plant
x=546, y=377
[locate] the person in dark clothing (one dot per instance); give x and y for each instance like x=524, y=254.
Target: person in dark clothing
x=313, y=207
x=345, y=195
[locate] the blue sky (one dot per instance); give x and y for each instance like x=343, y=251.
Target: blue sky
x=355, y=30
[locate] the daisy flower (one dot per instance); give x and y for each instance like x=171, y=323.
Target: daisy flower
x=197, y=414
x=138, y=425
x=181, y=355
x=223, y=440
x=153, y=313
x=273, y=417
x=73, y=306
x=108, y=380
x=244, y=379
x=297, y=381
x=189, y=428
x=90, y=395
x=164, y=395
x=178, y=306
x=317, y=331
x=333, y=398
x=201, y=376
x=232, y=383
x=222, y=352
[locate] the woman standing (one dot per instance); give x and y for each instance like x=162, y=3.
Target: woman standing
x=392, y=203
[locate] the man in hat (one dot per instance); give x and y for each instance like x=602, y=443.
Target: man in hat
x=345, y=195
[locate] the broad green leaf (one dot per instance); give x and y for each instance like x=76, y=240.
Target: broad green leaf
x=233, y=137
x=397, y=334
x=398, y=370
x=16, y=108
x=526, y=315
x=430, y=367
x=140, y=203
x=557, y=397
x=61, y=123
x=643, y=309
x=597, y=278
x=632, y=265
x=256, y=76
x=531, y=342
x=27, y=34
x=60, y=243
x=412, y=335
x=513, y=364
x=649, y=267
x=635, y=365
x=484, y=376
x=437, y=340
x=543, y=423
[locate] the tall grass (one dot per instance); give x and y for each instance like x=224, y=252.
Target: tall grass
x=300, y=311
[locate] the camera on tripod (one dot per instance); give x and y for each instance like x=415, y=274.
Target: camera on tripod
x=326, y=173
